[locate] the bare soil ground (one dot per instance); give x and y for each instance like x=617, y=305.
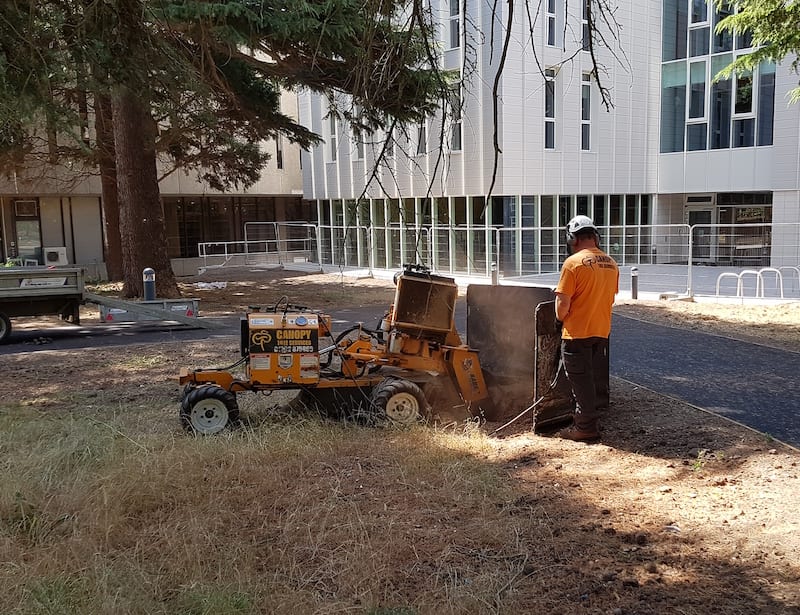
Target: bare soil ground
x=676, y=511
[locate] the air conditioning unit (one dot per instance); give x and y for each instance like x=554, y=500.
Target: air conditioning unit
x=55, y=256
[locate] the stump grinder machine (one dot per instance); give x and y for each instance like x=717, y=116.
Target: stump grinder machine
x=391, y=374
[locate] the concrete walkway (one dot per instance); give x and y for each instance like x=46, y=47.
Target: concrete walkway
x=752, y=384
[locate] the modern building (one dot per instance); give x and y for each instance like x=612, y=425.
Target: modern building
x=54, y=216
x=674, y=149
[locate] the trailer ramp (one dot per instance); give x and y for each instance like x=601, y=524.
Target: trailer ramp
x=152, y=311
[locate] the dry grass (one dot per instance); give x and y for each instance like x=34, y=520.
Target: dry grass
x=107, y=507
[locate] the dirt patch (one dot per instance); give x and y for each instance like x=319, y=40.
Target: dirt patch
x=677, y=510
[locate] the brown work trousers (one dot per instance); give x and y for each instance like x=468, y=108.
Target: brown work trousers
x=586, y=364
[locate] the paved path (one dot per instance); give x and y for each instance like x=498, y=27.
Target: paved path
x=749, y=383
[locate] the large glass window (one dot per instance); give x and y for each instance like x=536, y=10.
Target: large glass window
x=673, y=106
x=675, y=20
x=744, y=132
x=766, y=102
x=720, y=104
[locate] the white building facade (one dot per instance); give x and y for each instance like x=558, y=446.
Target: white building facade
x=675, y=148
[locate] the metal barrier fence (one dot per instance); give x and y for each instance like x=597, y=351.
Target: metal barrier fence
x=702, y=259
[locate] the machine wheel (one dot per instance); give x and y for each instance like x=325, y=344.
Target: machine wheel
x=207, y=410
x=398, y=402
x=5, y=327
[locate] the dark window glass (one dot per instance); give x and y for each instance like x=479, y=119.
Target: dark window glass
x=698, y=42
x=673, y=40
x=549, y=135
x=582, y=205
x=744, y=132
x=586, y=131
x=744, y=93
x=599, y=210
x=696, y=137
x=723, y=41
x=766, y=103
x=699, y=11
x=720, y=115
x=673, y=106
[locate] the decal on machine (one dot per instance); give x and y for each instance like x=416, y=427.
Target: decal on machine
x=259, y=363
x=285, y=361
x=284, y=341
x=262, y=322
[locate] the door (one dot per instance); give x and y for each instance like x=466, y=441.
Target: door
x=703, y=234
x=27, y=246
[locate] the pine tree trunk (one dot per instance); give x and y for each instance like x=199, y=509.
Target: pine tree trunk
x=108, y=184
x=141, y=217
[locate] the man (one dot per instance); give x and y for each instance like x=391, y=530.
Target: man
x=584, y=296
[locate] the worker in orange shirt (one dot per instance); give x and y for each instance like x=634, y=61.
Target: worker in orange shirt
x=584, y=296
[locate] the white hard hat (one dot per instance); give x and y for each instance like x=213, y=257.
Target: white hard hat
x=580, y=223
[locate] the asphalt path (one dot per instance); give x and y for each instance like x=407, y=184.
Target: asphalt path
x=753, y=384
x=750, y=383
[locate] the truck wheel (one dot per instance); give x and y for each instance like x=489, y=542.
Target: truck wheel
x=207, y=410
x=398, y=402
x=5, y=327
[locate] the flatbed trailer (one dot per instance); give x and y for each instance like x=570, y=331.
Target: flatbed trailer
x=41, y=291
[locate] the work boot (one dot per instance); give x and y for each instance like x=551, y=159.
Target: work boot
x=580, y=434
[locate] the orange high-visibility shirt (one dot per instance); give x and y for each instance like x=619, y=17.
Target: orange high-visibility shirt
x=590, y=278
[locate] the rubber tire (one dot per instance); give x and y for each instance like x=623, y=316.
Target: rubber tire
x=207, y=410
x=5, y=328
x=398, y=402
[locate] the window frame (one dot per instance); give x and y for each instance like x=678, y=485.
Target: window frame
x=586, y=111
x=550, y=75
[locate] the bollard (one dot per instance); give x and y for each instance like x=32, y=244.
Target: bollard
x=495, y=275
x=634, y=283
x=149, y=283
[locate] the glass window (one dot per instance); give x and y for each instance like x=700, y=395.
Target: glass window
x=549, y=135
x=675, y=23
x=744, y=132
x=586, y=111
x=551, y=22
x=582, y=208
x=723, y=41
x=550, y=93
x=744, y=93
x=766, y=102
x=697, y=89
x=549, y=109
x=673, y=106
x=455, y=23
x=422, y=139
x=699, y=11
x=744, y=40
x=698, y=42
x=599, y=210
x=720, y=106
x=455, y=119
x=332, y=137
x=696, y=137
